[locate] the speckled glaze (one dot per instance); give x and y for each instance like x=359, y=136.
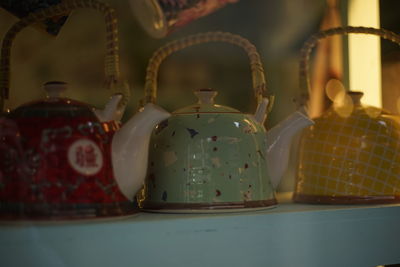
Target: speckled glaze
x=212, y=158
x=208, y=156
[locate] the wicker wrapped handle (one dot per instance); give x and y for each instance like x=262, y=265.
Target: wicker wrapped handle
x=112, y=72
x=257, y=71
x=305, y=85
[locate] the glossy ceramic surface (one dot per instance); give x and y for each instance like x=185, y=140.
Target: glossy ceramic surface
x=213, y=157
x=63, y=159
x=59, y=160
x=56, y=160
x=207, y=155
x=351, y=158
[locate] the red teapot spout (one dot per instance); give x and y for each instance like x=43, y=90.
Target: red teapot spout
x=115, y=107
x=130, y=148
x=55, y=159
x=112, y=110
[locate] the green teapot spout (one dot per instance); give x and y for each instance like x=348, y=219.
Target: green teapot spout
x=279, y=140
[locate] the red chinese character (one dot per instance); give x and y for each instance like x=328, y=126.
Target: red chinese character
x=90, y=156
x=85, y=156
x=80, y=156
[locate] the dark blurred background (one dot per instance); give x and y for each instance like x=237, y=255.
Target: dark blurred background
x=278, y=29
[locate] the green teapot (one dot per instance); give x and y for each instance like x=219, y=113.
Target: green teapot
x=212, y=158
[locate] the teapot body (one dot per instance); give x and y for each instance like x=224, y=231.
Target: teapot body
x=351, y=155
x=203, y=159
x=56, y=161
x=208, y=157
x=55, y=153
x=350, y=159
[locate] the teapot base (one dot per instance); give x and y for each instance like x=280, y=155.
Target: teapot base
x=64, y=211
x=345, y=200
x=216, y=207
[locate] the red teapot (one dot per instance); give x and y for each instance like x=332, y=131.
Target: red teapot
x=60, y=158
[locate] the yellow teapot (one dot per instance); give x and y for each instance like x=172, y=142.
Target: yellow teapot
x=351, y=155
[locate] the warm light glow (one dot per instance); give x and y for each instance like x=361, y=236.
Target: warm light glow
x=334, y=89
x=106, y=127
x=342, y=102
x=364, y=52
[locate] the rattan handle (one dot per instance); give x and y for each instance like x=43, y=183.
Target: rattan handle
x=258, y=78
x=305, y=85
x=112, y=73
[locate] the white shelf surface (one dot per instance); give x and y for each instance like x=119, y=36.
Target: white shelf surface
x=290, y=235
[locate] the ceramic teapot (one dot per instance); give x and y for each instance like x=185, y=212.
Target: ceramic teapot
x=351, y=155
x=160, y=18
x=208, y=157
x=60, y=158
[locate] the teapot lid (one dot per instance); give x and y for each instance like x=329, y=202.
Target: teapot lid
x=205, y=104
x=54, y=105
x=355, y=96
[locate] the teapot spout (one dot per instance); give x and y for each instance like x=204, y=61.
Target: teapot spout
x=115, y=107
x=279, y=140
x=113, y=111
x=130, y=148
x=261, y=111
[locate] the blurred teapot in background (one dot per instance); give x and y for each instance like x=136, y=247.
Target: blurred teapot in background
x=352, y=153
x=22, y=8
x=161, y=17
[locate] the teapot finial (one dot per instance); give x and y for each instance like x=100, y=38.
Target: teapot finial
x=55, y=89
x=206, y=95
x=356, y=96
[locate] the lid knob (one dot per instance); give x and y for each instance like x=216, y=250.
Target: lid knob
x=206, y=95
x=356, y=96
x=55, y=89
